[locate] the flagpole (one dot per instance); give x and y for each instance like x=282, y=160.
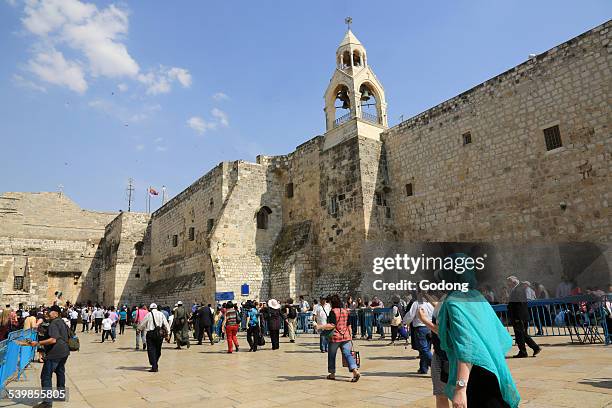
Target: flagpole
x=149, y=200
x=163, y=195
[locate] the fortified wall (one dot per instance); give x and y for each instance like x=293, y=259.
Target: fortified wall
x=521, y=161
x=49, y=244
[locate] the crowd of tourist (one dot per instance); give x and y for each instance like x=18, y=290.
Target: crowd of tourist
x=456, y=334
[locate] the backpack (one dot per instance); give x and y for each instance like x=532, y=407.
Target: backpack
x=292, y=314
x=159, y=333
x=73, y=341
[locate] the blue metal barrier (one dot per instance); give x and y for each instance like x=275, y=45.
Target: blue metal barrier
x=15, y=358
x=585, y=318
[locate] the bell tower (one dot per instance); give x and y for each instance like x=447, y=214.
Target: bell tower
x=355, y=99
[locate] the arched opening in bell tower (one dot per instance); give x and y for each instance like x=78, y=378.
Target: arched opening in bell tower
x=370, y=104
x=341, y=105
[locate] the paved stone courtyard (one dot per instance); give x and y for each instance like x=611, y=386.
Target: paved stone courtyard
x=114, y=375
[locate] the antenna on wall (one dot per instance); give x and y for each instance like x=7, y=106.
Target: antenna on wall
x=130, y=189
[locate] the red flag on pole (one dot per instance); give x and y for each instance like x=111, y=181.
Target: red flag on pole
x=152, y=191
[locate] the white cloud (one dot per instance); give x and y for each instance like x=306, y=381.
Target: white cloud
x=181, y=75
x=221, y=117
x=96, y=37
x=161, y=148
x=158, y=140
x=122, y=87
x=201, y=125
x=125, y=115
x=220, y=96
x=26, y=83
x=140, y=147
x=160, y=81
x=52, y=67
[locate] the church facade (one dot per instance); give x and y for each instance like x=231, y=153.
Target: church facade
x=520, y=162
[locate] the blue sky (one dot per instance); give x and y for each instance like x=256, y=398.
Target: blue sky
x=94, y=93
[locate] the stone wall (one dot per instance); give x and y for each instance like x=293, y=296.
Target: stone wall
x=505, y=185
x=126, y=253
x=175, y=251
x=239, y=250
x=53, y=244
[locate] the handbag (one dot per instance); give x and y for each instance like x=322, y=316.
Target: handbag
x=355, y=355
x=397, y=319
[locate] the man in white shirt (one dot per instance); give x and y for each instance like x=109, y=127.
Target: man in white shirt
x=304, y=307
x=421, y=332
x=320, y=313
x=151, y=323
x=74, y=318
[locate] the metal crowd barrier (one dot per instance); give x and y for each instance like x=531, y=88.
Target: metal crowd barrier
x=585, y=318
x=365, y=322
x=15, y=358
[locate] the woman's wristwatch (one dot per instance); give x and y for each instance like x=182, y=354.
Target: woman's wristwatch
x=461, y=383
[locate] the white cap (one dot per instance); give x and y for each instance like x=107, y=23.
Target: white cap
x=153, y=306
x=180, y=302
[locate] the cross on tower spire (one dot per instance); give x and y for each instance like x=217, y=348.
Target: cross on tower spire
x=348, y=21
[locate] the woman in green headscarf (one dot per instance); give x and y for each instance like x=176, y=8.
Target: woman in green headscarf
x=476, y=344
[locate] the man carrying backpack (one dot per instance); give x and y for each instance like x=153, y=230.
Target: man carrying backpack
x=291, y=319
x=57, y=352
x=157, y=328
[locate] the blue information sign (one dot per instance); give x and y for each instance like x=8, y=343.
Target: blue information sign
x=224, y=295
x=244, y=290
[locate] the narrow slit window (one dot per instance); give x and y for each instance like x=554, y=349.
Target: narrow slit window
x=552, y=137
x=409, y=190
x=191, y=233
x=467, y=138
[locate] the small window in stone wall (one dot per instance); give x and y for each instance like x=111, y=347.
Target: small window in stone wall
x=209, y=225
x=175, y=240
x=137, y=275
x=191, y=233
x=409, y=190
x=552, y=137
x=378, y=198
x=333, y=205
x=18, y=283
x=467, y=138
x=211, y=203
x=139, y=248
x=262, y=217
x=289, y=190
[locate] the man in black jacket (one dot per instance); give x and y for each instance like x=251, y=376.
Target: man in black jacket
x=205, y=321
x=56, y=347
x=518, y=313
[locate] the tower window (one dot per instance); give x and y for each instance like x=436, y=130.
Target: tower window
x=333, y=205
x=409, y=191
x=289, y=190
x=137, y=275
x=211, y=203
x=139, y=248
x=18, y=283
x=175, y=240
x=378, y=197
x=467, y=138
x=191, y=233
x=209, y=225
x=552, y=137
x=263, y=217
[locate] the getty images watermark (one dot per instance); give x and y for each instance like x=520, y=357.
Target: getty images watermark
x=411, y=264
